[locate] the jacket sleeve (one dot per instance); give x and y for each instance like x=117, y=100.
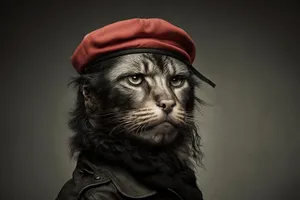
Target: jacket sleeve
x=68, y=191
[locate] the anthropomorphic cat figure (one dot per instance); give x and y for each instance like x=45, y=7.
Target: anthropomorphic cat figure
x=133, y=120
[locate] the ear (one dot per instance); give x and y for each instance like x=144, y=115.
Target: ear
x=90, y=101
x=86, y=92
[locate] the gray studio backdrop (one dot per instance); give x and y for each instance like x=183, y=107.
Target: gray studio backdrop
x=250, y=130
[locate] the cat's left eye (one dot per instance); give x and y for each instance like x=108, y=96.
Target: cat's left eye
x=177, y=81
x=135, y=79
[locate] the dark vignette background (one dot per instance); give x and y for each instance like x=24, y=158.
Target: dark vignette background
x=250, y=133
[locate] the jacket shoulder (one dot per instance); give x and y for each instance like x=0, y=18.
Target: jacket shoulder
x=79, y=187
x=90, y=182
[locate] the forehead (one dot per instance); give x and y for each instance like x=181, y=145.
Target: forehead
x=148, y=64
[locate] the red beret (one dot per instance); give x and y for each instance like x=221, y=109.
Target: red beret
x=135, y=36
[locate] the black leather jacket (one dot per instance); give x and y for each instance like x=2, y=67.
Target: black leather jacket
x=102, y=182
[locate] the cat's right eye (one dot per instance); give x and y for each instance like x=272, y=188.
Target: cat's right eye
x=135, y=79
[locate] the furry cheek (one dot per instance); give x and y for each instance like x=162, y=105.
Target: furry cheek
x=136, y=93
x=182, y=94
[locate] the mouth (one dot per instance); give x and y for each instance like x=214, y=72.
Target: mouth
x=165, y=122
x=161, y=133
x=165, y=126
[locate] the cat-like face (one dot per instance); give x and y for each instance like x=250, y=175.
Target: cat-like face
x=150, y=97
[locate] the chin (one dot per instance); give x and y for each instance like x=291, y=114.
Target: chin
x=161, y=134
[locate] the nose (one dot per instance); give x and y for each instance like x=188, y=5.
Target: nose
x=166, y=105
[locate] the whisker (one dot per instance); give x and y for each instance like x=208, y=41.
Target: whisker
x=141, y=123
x=111, y=132
x=183, y=113
x=119, y=111
x=129, y=127
x=125, y=112
x=146, y=121
x=142, y=114
x=143, y=109
x=129, y=118
x=132, y=128
x=144, y=127
x=138, y=129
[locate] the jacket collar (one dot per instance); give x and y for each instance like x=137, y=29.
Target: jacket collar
x=122, y=180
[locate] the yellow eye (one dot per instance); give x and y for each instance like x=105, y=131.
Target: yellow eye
x=135, y=79
x=177, y=81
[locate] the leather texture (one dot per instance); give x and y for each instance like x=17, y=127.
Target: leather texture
x=98, y=181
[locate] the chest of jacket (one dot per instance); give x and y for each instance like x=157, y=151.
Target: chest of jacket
x=104, y=182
